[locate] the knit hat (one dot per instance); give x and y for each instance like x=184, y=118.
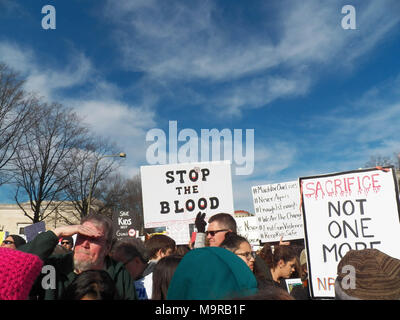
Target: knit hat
x=19, y=271
x=377, y=276
x=211, y=273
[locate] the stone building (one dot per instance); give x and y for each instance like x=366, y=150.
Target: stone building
x=13, y=220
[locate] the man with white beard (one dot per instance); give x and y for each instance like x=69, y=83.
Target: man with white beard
x=93, y=243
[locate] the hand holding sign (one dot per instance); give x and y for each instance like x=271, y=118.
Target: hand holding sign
x=283, y=243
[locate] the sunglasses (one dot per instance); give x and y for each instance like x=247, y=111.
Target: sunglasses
x=248, y=255
x=212, y=233
x=65, y=242
x=8, y=242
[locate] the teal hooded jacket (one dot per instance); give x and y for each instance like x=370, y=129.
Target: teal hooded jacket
x=211, y=273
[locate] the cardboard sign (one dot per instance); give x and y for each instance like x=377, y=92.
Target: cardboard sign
x=248, y=227
x=277, y=208
x=349, y=210
x=123, y=225
x=175, y=193
x=33, y=230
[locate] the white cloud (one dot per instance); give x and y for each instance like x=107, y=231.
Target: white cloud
x=98, y=106
x=18, y=58
x=43, y=80
x=195, y=41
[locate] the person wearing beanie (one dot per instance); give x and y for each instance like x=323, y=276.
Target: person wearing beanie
x=19, y=270
x=211, y=273
x=367, y=274
x=302, y=292
x=13, y=241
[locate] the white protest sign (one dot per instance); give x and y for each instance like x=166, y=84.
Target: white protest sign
x=175, y=193
x=248, y=227
x=277, y=208
x=180, y=232
x=349, y=210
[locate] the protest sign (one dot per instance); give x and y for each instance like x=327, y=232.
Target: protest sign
x=33, y=230
x=123, y=225
x=293, y=282
x=175, y=193
x=349, y=210
x=277, y=208
x=248, y=227
x=180, y=232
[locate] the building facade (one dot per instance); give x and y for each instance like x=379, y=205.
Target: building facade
x=13, y=219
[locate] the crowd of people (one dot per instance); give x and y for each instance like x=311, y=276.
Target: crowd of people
x=219, y=265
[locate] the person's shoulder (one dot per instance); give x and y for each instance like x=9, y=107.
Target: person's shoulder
x=300, y=293
x=61, y=261
x=114, y=266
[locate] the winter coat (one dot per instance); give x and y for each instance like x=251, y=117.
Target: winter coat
x=43, y=246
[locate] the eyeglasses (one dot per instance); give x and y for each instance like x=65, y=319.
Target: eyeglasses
x=248, y=255
x=8, y=242
x=212, y=233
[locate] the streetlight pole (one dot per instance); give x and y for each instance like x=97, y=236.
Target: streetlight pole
x=121, y=155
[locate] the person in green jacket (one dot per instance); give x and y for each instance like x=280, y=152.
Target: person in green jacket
x=93, y=243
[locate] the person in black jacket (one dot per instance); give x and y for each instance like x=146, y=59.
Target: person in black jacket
x=281, y=263
x=93, y=243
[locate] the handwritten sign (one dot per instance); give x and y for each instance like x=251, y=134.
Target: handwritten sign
x=175, y=193
x=123, y=225
x=248, y=227
x=180, y=232
x=278, y=212
x=349, y=210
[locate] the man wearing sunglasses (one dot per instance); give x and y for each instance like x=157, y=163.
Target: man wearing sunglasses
x=218, y=226
x=67, y=243
x=93, y=244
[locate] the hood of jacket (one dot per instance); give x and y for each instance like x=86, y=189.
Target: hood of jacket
x=211, y=273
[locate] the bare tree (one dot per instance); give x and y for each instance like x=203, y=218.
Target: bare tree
x=40, y=168
x=111, y=193
x=132, y=200
x=117, y=193
x=78, y=181
x=14, y=116
x=379, y=160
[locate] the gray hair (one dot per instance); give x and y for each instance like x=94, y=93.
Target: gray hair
x=104, y=222
x=129, y=249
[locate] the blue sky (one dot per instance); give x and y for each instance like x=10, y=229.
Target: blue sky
x=320, y=98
